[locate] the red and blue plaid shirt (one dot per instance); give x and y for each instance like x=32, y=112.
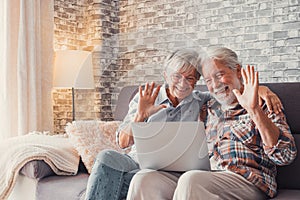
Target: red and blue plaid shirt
x=235, y=144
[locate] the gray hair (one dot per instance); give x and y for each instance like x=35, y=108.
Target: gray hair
x=225, y=55
x=184, y=60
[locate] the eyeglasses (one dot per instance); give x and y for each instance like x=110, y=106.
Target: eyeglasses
x=177, y=77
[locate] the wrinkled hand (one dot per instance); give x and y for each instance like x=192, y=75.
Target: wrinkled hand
x=270, y=98
x=146, y=106
x=249, y=98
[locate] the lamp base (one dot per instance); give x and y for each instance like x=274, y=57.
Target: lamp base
x=73, y=104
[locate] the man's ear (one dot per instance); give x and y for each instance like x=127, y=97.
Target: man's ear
x=239, y=71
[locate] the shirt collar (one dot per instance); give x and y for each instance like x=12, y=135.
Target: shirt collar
x=215, y=106
x=163, y=97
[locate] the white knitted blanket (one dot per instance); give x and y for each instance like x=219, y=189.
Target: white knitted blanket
x=55, y=150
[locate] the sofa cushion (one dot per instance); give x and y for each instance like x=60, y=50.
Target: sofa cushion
x=288, y=176
x=62, y=187
x=287, y=195
x=125, y=96
x=289, y=95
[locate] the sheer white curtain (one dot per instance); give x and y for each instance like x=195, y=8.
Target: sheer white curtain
x=26, y=66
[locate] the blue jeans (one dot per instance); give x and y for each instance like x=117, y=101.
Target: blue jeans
x=110, y=176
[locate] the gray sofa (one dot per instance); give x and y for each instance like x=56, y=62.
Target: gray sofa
x=50, y=186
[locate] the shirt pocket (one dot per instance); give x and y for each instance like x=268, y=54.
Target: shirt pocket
x=244, y=131
x=189, y=114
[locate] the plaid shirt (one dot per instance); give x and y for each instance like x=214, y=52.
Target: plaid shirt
x=235, y=144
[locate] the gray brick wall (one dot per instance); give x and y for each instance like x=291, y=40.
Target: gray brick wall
x=131, y=38
x=263, y=33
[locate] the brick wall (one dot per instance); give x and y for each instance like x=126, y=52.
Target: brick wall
x=131, y=38
x=78, y=26
x=263, y=33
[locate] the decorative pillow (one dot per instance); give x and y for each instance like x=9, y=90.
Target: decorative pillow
x=90, y=137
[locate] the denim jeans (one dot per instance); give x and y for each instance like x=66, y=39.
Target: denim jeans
x=110, y=176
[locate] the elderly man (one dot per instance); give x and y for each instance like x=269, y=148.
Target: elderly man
x=244, y=147
x=245, y=140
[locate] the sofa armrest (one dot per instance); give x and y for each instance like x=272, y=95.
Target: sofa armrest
x=36, y=169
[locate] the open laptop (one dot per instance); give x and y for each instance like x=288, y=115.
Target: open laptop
x=171, y=146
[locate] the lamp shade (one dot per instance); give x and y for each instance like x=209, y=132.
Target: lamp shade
x=73, y=69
